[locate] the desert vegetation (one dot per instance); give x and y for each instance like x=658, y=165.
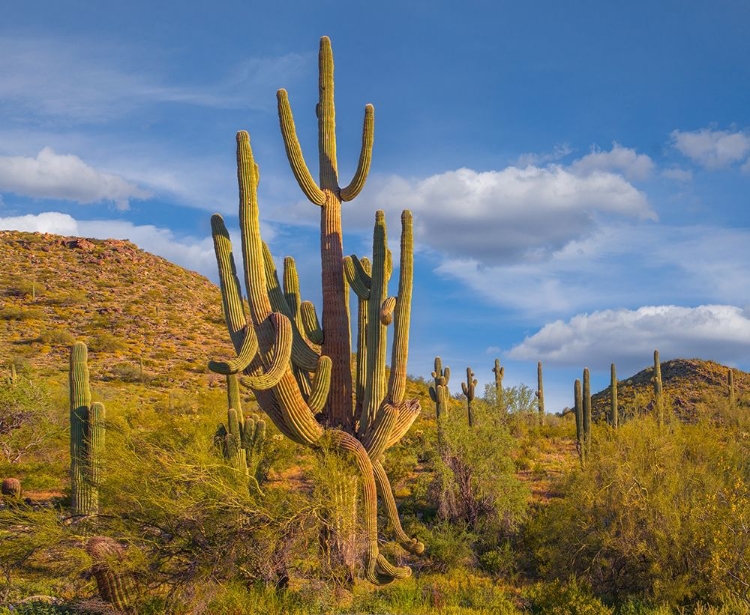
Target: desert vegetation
x=254, y=459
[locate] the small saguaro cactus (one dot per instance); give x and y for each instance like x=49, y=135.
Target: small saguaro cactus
x=439, y=393
x=613, y=411
x=86, y=436
x=586, y=412
x=730, y=386
x=115, y=586
x=578, y=407
x=540, y=392
x=499, y=393
x=658, y=391
x=468, y=389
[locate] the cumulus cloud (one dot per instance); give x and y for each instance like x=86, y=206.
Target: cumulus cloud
x=712, y=149
x=628, y=337
x=503, y=216
x=620, y=159
x=558, y=153
x=678, y=175
x=618, y=264
x=66, y=177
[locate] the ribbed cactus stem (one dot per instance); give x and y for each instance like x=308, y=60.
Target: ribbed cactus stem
x=11, y=488
x=658, y=390
x=578, y=406
x=540, y=392
x=614, y=418
x=115, y=586
x=587, y=411
x=730, y=386
x=86, y=436
x=499, y=392
x=468, y=390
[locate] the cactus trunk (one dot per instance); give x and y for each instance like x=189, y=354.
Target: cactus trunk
x=613, y=410
x=540, y=392
x=658, y=390
x=586, y=412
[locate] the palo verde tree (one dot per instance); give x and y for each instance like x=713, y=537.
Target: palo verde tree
x=299, y=371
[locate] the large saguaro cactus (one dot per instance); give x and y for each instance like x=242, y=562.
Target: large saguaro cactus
x=86, y=436
x=468, y=389
x=299, y=371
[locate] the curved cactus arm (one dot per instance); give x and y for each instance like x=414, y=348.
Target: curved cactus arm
x=231, y=294
x=377, y=437
x=292, y=291
x=320, y=386
x=408, y=411
x=402, y=317
x=294, y=151
x=310, y=323
x=433, y=394
x=365, y=157
x=386, y=311
x=303, y=356
x=386, y=494
x=247, y=353
x=356, y=276
x=377, y=569
x=278, y=359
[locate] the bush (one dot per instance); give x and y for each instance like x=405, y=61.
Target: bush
x=656, y=514
x=60, y=337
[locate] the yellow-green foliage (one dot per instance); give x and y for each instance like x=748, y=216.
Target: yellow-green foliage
x=663, y=515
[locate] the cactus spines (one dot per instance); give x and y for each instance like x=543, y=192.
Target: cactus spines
x=115, y=586
x=86, y=436
x=578, y=407
x=540, y=392
x=11, y=488
x=613, y=410
x=468, y=389
x=305, y=386
x=586, y=412
x=658, y=391
x=499, y=394
x=730, y=386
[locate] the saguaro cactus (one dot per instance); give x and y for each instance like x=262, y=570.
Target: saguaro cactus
x=540, y=392
x=86, y=436
x=586, y=412
x=499, y=393
x=301, y=375
x=468, y=389
x=578, y=406
x=613, y=410
x=730, y=386
x=439, y=394
x=658, y=391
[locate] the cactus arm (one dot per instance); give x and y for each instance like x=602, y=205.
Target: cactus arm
x=386, y=311
x=311, y=323
x=320, y=386
x=294, y=151
x=402, y=317
x=378, y=436
x=326, y=111
x=355, y=276
x=408, y=411
x=365, y=157
x=97, y=416
x=231, y=294
x=278, y=356
x=247, y=353
x=292, y=291
x=386, y=493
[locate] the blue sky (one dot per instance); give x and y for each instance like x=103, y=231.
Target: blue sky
x=579, y=172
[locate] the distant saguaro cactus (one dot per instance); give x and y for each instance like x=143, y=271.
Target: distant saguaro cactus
x=730, y=386
x=439, y=394
x=499, y=392
x=613, y=410
x=658, y=391
x=468, y=389
x=578, y=408
x=586, y=412
x=540, y=392
x=86, y=436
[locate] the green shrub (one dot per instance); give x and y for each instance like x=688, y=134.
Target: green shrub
x=570, y=598
x=56, y=337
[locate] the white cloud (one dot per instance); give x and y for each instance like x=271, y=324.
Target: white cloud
x=530, y=159
x=628, y=337
x=84, y=82
x=618, y=264
x=66, y=177
x=676, y=174
x=712, y=149
x=507, y=215
x=620, y=159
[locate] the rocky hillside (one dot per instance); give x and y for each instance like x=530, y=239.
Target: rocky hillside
x=142, y=317
x=691, y=386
